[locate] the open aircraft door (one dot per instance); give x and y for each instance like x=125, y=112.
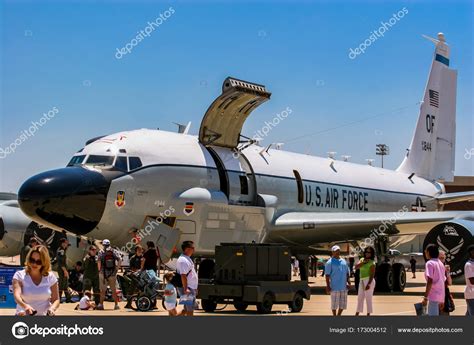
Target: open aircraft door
x=220, y=133
x=223, y=121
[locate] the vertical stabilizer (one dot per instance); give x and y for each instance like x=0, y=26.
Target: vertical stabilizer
x=431, y=152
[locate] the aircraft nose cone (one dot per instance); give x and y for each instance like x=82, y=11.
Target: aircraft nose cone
x=70, y=198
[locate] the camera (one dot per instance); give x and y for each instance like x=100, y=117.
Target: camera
x=21, y=330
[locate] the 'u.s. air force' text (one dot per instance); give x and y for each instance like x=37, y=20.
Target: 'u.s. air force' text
x=329, y=197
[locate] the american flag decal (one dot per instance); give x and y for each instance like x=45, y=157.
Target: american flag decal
x=434, y=98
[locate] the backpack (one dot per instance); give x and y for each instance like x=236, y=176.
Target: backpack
x=176, y=280
x=109, y=260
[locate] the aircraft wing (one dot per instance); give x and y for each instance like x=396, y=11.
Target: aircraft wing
x=312, y=228
x=455, y=197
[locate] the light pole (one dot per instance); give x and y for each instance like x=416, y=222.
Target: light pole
x=381, y=150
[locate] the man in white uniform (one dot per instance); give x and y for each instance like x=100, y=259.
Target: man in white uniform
x=189, y=278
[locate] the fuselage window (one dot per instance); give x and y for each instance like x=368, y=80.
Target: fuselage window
x=121, y=163
x=244, y=185
x=100, y=160
x=76, y=160
x=299, y=185
x=134, y=163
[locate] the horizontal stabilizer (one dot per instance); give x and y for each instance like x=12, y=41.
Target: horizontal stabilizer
x=450, y=198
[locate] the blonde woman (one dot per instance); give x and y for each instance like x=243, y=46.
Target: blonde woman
x=35, y=288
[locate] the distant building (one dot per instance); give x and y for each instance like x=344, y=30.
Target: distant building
x=460, y=184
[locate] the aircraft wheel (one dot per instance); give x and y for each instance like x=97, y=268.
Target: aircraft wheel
x=384, y=278
x=400, y=277
x=209, y=305
x=265, y=307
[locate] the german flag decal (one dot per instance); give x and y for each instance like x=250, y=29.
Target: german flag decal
x=189, y=208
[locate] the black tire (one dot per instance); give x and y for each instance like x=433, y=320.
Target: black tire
x=400, y=277
x=144, y=303
x=209, y=305
x=384, y=278
x=241, y=306
x=206, y=269
x=265, y=307
x=297, y=304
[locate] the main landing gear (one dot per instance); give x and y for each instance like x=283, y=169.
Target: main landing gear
x=389, y=276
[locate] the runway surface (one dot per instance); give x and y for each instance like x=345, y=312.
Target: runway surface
x=388, y=304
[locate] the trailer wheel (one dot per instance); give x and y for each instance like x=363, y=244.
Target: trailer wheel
x=209, y=305
x=265, y=307
x=297, y=304
x=241, y=306
x=400, y=277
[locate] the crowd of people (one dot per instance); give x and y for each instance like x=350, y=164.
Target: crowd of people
x=37, y=290
x=437, y=298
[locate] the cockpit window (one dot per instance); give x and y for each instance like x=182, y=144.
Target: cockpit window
x=76, y=160
x=134, y=163
x=100, y=160
x=121, y=163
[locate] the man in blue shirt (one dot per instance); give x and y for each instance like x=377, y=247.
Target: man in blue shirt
x=337, y=281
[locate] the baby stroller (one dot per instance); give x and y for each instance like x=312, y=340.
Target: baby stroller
x=149, y=289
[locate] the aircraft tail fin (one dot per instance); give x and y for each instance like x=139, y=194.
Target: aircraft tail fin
x=431, y=152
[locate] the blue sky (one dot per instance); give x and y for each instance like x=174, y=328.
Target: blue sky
x=55, y=54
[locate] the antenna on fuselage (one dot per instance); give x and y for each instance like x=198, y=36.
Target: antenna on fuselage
x=183, y=129
x=345, y=158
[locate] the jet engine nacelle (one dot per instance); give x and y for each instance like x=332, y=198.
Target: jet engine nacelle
x=453, y=237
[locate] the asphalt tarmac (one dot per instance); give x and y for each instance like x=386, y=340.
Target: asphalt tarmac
x=388, y=304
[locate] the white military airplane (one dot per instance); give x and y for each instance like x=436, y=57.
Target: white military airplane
x=219, y=186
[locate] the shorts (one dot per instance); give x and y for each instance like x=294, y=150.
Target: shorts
x=110, y=281
x=338, y=299
x=170, y=305
x=191, y=306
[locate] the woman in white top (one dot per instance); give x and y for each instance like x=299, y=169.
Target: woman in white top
x=35, y=288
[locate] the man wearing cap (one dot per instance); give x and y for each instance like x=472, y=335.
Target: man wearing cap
x=109, y=263
x=469, y=275
x=337, y=281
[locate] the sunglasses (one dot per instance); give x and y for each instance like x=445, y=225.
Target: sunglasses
x=37, y=262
